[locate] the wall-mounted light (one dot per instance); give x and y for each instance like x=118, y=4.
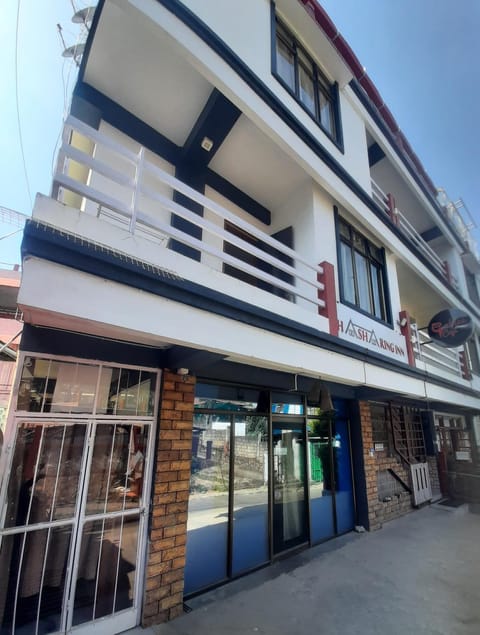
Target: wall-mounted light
x=207, y=144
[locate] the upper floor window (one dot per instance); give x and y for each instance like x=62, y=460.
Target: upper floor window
x=472, y=287
x=301, y=76
x=362, y=273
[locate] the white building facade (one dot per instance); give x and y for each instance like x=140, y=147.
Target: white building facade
x=226, y=299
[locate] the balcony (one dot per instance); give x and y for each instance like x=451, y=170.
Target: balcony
x=127, y=190
x=398, y=218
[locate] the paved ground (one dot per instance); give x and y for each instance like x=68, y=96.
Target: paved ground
x=418, y=575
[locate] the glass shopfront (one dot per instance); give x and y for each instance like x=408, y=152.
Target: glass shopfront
x=268, y=475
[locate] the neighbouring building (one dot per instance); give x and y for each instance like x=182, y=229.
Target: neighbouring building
x=250, y=319
x=10, y=331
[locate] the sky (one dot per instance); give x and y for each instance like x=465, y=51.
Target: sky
x=423, y=56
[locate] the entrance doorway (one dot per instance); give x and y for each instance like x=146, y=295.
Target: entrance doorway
x=73, y=532
x=269, y=474
x=290, y=516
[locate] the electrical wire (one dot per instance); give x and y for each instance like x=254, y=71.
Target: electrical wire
x=12, y=233
x=22, y=151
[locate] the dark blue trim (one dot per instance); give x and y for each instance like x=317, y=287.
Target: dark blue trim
x=90, y=39
x=126, y=122
x=208, y=36
x=370, y=108
x=244, y=201
x=375, y=154
x=215, y=121
x=43, y=340
x=46, y=242
x=192, y=176
x=217, y=45
x=337, y=137
x=273, y=102
x=431, y=234
x=86, y=112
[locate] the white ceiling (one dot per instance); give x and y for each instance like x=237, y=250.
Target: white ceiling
x=130, y=63
x=135, y=64
x=250, y=160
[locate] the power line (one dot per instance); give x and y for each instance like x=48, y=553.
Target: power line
x=17, y=104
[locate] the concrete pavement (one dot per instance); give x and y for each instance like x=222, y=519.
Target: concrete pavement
x=420, y=574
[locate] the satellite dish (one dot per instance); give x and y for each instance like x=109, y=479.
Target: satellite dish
x=84, y=16
x=74, y=51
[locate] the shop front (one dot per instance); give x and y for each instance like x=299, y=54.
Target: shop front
x=269, y=474
x=73, y=534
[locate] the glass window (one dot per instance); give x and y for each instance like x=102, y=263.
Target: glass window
x=250, y=495
x=232, y=398
x=321, y=499
x=303, y=78
x=208, y=505
x=362, y=272
x=49, y=385
x=363, y=286
x=286, y=63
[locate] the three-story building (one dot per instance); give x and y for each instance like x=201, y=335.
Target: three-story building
x=226, y=301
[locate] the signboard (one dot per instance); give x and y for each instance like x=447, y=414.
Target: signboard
x=450, y=328
x=362, y=330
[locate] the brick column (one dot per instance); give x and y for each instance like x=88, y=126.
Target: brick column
x=163, y=598
x=370, y=464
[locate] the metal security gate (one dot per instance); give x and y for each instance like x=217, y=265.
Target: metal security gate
x=73, y=520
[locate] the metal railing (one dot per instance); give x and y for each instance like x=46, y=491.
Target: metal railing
x=122, y=195
x=426, y=351
x=381, y=198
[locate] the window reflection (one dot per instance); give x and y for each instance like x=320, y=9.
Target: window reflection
x=70, y=387
x=321, y=486
x=250, y=503
x=207, y=526
x=289, y=496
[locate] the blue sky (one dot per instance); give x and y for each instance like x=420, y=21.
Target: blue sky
x=423, y=56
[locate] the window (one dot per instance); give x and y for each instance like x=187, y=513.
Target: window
x=472, y=354
x=472, y=287
x=362, y=273
x=301, y=76
x=453, y=438
x=380, y=417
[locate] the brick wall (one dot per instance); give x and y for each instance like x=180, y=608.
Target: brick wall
x=380, y=511
x=163, y=598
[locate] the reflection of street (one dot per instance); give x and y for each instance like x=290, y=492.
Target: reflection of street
x=211, y=509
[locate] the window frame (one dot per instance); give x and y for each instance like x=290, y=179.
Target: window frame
x=372, y=261
x=321, y=84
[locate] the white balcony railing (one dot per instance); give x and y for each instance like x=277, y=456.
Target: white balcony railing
x=433, y=356
x=408, y=229
x=128, y=189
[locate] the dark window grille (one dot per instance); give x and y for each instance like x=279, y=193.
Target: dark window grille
x=297, y=71
x=362, y=273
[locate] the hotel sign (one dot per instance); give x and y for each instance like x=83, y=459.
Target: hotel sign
x=450, y=328
x=362, y=330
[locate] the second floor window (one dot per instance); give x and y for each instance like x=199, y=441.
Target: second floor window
x=362, y=273
x=300, y=75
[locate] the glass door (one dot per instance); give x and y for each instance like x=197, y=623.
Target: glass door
x=290, y=517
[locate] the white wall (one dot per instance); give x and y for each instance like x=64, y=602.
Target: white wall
x=246, y=28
